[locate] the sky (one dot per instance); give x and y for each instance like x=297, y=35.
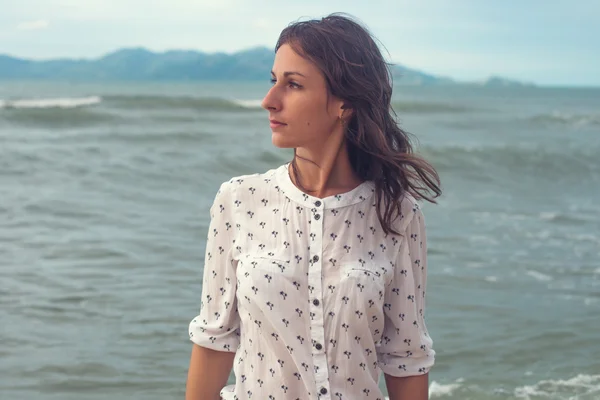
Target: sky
x=553, y=42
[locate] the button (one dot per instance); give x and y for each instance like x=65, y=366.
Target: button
x=316, y=302
x=323, y=390
x=317, y=216
x=318, y=346
x=318, y=203
x=315, y=258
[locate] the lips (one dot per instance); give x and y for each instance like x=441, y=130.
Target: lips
x=274, y=124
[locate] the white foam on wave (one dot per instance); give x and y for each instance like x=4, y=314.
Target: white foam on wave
x=576, y=120
x=539, y=276
x=579, y=386
x=248, y=103
x=56, y=102
x=549, y=216
x=440, y=390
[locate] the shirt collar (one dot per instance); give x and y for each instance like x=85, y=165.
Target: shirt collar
x=360, y=193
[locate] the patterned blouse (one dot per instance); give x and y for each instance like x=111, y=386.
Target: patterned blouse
x=311, y=295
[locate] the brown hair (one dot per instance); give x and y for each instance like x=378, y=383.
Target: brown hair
x=356, y=72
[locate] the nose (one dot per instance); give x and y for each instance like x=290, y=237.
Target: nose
x=271, y=101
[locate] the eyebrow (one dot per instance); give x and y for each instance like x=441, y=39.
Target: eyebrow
x=288, y=73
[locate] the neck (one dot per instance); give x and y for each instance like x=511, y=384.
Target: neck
x=325, y=172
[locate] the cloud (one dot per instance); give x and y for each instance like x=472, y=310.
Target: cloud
x=262, y=23
x=33, y=25
x=173, y=11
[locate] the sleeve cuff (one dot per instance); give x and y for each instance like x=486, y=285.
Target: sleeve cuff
x=405, y=366
x=223, y=341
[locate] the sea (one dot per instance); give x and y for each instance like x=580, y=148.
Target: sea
x=104, y=197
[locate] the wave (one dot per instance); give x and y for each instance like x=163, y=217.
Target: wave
x=252, y=104
x=540, y=162
x=194, y=103
x=581, y=386
x=134, y=102
x=428, y=107
x=57, y=102
x=153, y=102
x=76, y=111
x=182, y=102
x=49, y=118
x=563, y=118
x=578, y=387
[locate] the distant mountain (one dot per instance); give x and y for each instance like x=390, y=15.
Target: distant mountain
x=406, y=76
x=139, y=64
x=502, y=82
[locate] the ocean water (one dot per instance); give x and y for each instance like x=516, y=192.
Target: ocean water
x=104, y=196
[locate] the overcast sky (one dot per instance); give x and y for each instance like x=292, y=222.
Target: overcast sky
x=554, y=42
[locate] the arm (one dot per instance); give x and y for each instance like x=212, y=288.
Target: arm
x=208, y=373
x=406, y=354
x=408, y=387
x=215, y=331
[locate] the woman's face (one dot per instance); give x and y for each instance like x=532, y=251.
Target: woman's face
x=299, y=101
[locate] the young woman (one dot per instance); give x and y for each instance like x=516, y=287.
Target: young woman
x=315, y=271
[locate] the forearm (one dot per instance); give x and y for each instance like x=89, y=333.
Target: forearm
x=208, y=373
x=408, y=388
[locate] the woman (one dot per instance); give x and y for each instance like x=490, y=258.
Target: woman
x=315, y=272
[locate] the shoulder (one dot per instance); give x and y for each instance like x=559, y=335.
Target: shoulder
x=410, y=213
x=244, y=185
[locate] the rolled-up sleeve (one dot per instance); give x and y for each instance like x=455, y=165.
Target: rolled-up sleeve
x=406, y=347
x=217, y=325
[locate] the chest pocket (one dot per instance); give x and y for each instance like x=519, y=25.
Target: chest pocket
x=368, y=278
x=271, y=264
x=266, y=267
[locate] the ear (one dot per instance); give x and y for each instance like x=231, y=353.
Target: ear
x=346, y=112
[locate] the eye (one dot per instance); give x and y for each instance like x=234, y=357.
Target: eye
x=291, y=84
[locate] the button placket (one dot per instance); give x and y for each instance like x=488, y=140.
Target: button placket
x=315, y=280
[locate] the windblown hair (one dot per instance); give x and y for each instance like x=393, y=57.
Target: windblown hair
x=356, y=72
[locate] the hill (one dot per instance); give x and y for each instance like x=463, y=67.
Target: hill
x=139, y=64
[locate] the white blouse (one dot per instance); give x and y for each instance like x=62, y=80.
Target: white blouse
x=311, y=295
